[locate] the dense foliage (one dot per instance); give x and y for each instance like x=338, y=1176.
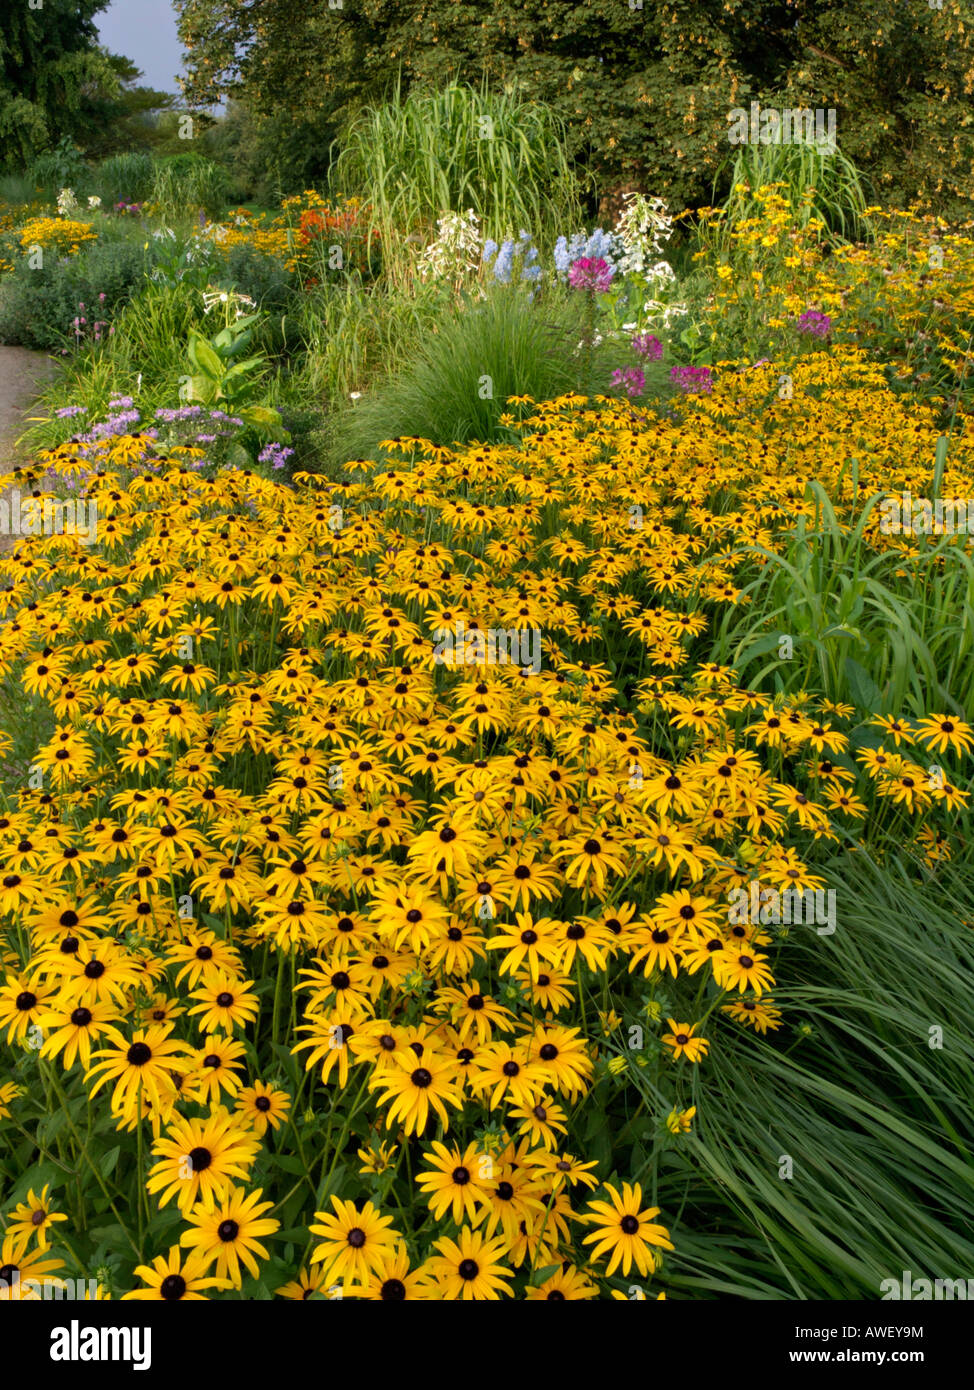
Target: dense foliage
x=644, y=88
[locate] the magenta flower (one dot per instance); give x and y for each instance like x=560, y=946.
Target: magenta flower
x=591, y=273
x=814, y=323
x=646, y=345
x=692, y=380
x=631, y=379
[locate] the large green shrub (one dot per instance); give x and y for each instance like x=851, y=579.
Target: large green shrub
x=37, y=307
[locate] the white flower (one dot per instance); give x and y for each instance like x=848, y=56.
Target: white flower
x=212, y=296
x=94, y=201
x=457, y=247
x=644, y=226
x=66, y=202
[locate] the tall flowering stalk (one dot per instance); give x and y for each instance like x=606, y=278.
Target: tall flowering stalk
x=592, y=275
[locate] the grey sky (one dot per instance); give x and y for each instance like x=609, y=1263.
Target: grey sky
x=145, y=31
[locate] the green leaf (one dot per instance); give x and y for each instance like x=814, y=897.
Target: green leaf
x=540, y=1275
x=203, y=389
x=109, y=1161
x=863, y=689
x=242, y=368
x=262, y=418
x=289, y=1162
x=203, y=357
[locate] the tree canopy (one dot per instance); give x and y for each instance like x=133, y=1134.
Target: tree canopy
x=52, y=71
x=644, y=86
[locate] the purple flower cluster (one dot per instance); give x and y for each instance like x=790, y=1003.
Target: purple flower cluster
x=814, y=324
x=115, y=425
x=646, y=345
x=692, y=380
x=591, y=273
x=66, y=411
x=274, y=454
x=133, y=209
x=174, y=415
x=169, y=415
x=631, y=379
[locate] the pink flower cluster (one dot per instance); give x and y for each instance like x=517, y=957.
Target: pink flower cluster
x=591, y=273
x=648, y=346
x=631, y=379
x=692, y=380
x=94, y=331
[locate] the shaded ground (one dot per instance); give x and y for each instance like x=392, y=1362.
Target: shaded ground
x=22, y=375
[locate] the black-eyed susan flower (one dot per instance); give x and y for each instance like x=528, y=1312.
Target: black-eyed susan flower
x=411, y=1092
x=943, y=731
x=175, y=1278
x=198, y=1159
x=25, y=1273
x=392, y=1281
x=470, y=1268
x=23, y=1003
x=567, y=1285
x=625, y=1231
x=225, y=1004
x=227, y=1235
x=742, y=969
x=32, y=1219
x=454, y=1182
x=682, y=1042
x=263, y=1106
x=70, y=1028
x=141, y=1070
x=353, y=1242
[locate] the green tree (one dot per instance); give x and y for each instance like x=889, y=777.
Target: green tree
x=644, y=86
x=123, y=116
x=52, y=75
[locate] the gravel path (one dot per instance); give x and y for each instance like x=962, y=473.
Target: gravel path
x=22, y=376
